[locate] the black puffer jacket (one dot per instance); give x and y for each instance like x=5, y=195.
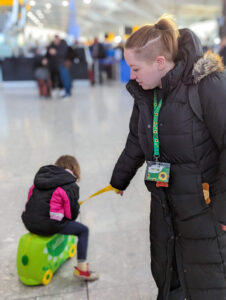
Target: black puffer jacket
x=188, y=242
x=53, y=186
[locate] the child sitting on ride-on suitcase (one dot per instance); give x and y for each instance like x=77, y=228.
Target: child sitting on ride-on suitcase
x=52, y=207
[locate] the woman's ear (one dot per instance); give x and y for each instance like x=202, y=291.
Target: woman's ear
x=161, y=62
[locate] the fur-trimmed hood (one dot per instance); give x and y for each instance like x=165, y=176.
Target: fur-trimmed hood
x=192, y=64
x=206, y=65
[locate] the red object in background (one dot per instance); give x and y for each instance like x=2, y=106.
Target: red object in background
x=45, y=87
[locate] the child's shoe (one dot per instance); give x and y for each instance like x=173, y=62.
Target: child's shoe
x=86, y=275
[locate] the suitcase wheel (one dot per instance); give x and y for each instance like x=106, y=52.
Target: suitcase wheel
x=72, y=250
x=47, y=277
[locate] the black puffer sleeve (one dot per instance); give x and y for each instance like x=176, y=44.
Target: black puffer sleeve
x=132, y=156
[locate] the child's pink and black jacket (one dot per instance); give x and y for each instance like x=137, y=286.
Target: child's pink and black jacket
x=52, y=201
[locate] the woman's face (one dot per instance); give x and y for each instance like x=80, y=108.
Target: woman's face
x=148, y=75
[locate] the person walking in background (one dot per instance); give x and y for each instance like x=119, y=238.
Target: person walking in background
x=60, y=73
x=52, y=207
x=54, y=64
x=185, y=151
x=98, y=53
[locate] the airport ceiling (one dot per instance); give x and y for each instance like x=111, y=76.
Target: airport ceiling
x=95, y=16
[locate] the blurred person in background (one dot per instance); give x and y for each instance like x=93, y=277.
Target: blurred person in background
x=60, y=75
x=119, y=51
x=222, y=49
x=42, y=74
x=178, y=127
x=98, y=52
x=82, y=55
x=119, y=57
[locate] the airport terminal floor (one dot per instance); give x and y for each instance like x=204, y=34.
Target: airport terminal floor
x=92, y=125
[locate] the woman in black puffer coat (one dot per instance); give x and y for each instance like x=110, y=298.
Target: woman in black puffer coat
x=187, y=230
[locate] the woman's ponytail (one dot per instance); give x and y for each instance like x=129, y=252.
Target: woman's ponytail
x=169, y=34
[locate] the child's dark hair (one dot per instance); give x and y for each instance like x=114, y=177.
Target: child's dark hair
x=69, y=162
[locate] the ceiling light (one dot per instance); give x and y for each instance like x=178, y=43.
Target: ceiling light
x=65, y=3
x=48, y=5
x=87, y=1
x=117, y=39
x=32, y=3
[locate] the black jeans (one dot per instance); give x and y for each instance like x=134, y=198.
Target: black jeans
x=82, y=232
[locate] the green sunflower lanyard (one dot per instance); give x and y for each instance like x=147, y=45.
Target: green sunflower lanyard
x=157, y=108
x=157, y=171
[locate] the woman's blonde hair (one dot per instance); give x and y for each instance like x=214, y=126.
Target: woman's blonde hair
x=69, y=162
x=160, y=38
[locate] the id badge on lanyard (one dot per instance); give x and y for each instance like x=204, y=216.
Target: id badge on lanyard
x=157, y=171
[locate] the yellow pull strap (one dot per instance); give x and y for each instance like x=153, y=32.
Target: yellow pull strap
x=106, y=189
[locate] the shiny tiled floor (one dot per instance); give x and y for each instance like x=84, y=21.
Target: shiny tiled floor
x=92, y=125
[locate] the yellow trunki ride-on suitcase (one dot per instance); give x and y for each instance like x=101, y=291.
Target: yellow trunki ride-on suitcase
x=38, y=257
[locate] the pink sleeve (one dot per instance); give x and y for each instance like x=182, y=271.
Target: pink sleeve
x=60, y=205
x=30, y=192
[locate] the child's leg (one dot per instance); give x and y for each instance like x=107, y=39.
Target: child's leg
x=82, y=232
